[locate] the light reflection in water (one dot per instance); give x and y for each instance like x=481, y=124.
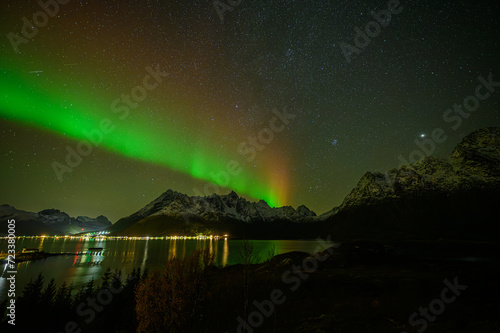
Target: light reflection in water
x=77, y=250
x=172, y=249
x=40, y=247
x=183, y=248
x=125, y=255
x=225, y=253
x=143, y=266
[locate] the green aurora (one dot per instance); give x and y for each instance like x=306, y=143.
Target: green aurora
x=131, y=137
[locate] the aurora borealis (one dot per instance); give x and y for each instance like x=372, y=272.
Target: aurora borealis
x=169, y=147
x=217, y=88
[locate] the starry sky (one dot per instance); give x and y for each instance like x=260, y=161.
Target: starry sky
x=104, y=105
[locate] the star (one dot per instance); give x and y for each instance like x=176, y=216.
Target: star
x=186, y=117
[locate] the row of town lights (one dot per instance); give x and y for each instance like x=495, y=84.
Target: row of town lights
x=104, y=237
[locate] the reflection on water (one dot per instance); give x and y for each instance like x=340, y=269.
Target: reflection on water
x=80, y=266
x=145, y=256
x=225, y=253
x=172, y=251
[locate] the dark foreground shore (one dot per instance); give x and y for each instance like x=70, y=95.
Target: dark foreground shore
x=360, y=286
x=366, y=286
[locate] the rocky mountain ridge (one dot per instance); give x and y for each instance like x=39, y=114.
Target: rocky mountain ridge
x=436, y=197
x=473, y=164
x=453, y=197
x=217, y=207
x=172, y=207
x=423, y=199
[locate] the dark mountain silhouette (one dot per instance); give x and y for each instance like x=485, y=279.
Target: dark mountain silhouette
x=454, y=197
x=174, y=213
x=50, y=222
x=451, y=198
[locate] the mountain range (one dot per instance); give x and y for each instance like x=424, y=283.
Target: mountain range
x=453, y=197
x=50, y=222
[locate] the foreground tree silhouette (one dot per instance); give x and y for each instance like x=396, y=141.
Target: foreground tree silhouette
x=171, y=300
x=248, y=257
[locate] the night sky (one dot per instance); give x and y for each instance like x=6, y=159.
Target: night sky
x=272, y=75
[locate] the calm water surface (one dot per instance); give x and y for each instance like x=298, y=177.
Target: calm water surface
x=126, y=255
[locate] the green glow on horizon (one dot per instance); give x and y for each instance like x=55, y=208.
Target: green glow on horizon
x=170, y=146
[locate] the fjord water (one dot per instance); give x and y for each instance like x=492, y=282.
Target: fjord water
x=125, y=255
